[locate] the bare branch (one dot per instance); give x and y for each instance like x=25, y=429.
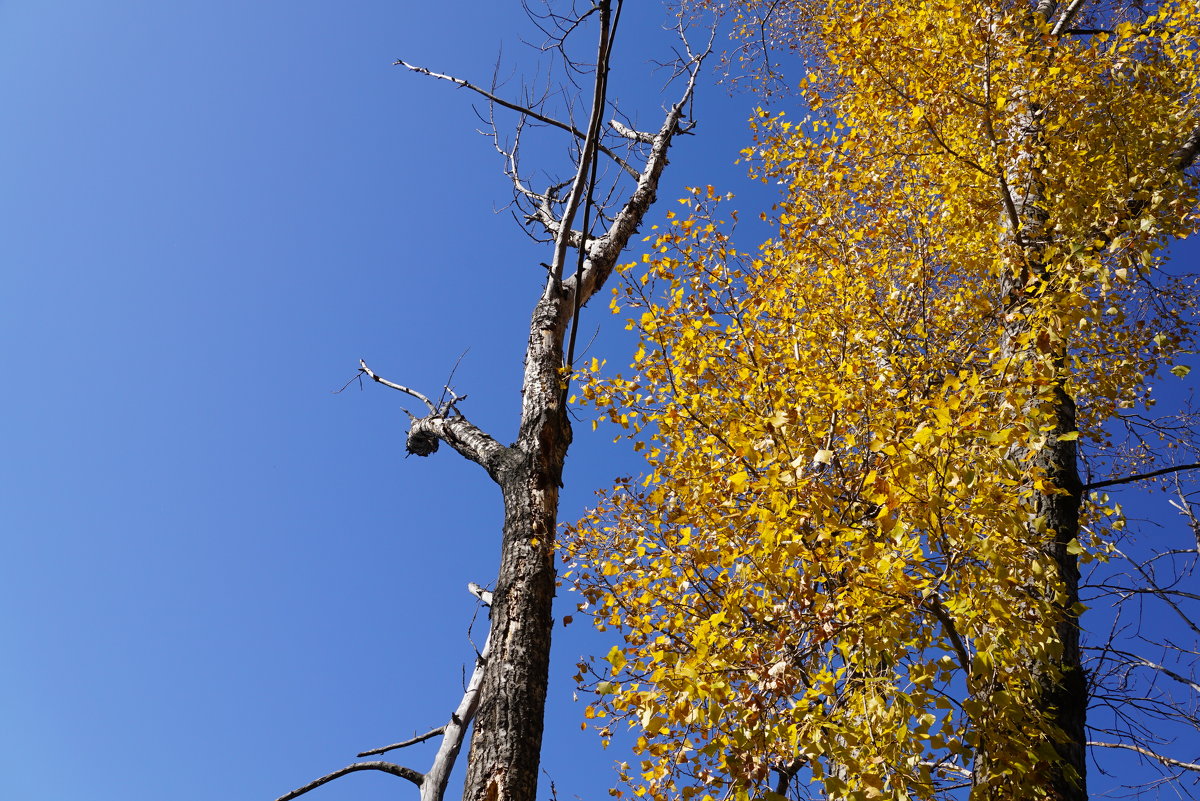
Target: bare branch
x=429, y=735
x=629, y=133
x=1166, y=760
x=1112, y=482
x=483, y=595
x=599, y=96
x=362, y=366
x=519, y=109
x=609, y=247
x=387, y=767
x=1168, y=672
x=446, y=423
x=439, y=774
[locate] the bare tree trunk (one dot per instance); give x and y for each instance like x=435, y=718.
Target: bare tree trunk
x=506, y=743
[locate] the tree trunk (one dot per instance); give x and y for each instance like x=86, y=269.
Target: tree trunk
x=506, y=742
x=1065, y=694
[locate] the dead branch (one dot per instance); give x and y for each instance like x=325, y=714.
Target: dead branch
x=435, y=784
x=1112, y=482
x=628, y=133
x=387, y=767
x=590, y=142
x=362, y=366
x=1166, y=760
x=445, y=423
x=485, y=596
x=429, y=735
x=529, y=112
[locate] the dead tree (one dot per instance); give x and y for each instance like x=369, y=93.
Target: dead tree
x=506, y=694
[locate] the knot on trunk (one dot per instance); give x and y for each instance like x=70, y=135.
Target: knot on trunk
x=421, y=442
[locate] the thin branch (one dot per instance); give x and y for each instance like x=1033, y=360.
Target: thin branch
x=387, y=767
x=939, y=611
x=1139, y=477
x=429, y=735
x=456, y=729
x=519, y=109
x=1168, y=672
x=575, y=197
x=362, y=366
x=1166, y=760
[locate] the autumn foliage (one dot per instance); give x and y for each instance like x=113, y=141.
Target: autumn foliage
x=834, y=575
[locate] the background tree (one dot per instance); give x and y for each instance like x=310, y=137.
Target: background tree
x=855, y=556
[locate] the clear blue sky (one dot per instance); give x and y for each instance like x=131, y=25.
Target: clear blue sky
x=217, y=579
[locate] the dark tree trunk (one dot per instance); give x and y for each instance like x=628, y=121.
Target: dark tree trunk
x=506, y=742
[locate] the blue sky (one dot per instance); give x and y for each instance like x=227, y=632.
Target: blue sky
x=217, y=578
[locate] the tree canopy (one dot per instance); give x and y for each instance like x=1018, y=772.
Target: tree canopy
x=851, y=566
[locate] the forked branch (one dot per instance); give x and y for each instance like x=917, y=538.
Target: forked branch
x=529, y=112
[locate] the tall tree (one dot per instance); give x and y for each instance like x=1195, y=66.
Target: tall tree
x=586, y=226
x=855, y=557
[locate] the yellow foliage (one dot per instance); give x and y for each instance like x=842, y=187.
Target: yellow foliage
x=834, y=561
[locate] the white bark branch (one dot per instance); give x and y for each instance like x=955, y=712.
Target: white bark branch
x=461, y=434
x=434, y=786
x=629, y=133
x=362, y=367
x=608, y=248
x=446, y=424
x=1169, y=673
x=1166, y=760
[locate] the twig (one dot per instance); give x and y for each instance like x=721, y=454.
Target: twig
x=1139, y=477
x=426, y=736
